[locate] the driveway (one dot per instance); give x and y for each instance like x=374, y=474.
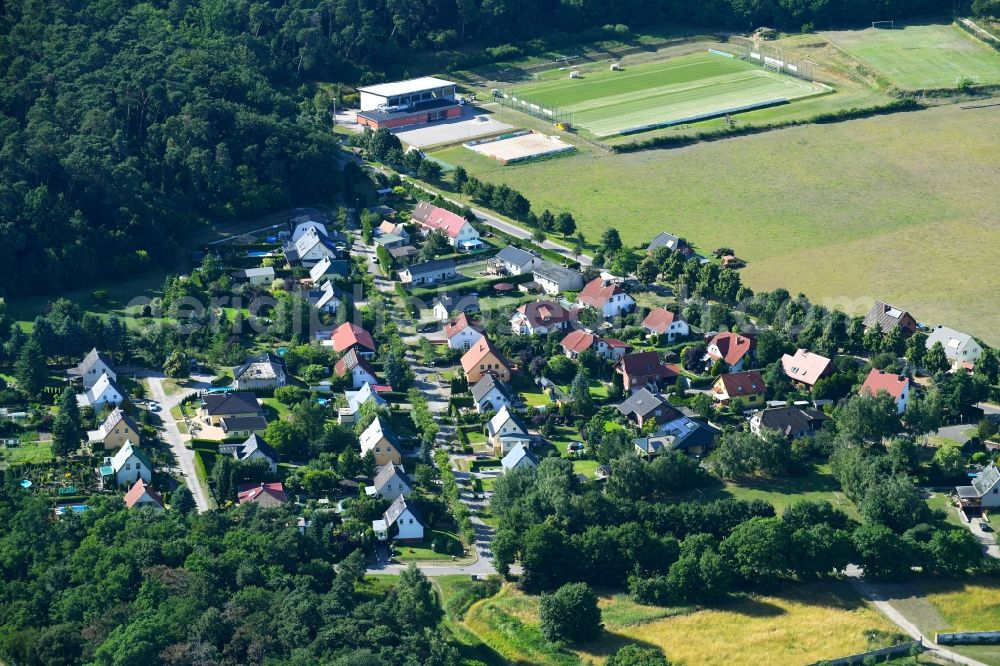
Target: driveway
x=172, y=434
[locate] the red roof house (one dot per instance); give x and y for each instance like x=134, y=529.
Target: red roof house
x=746, y=386
x=897, y=386
x=644, y=368
x=140, y=495
x=732, y=348
x=805, y=367
x=606, y=296
x=351, y=336
x=432, y=218
x=661, y=321
x=264, y=494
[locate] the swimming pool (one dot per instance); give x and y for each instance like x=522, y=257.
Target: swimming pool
x=258, y=254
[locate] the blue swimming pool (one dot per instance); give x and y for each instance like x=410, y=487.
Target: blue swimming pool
x=257, y=254
x=220, y=389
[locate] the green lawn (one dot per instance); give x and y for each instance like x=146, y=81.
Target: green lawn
x=922, y=56
x=585, y=467
x=27, y=452
x=818, y=485
x=535, y=398
x=671, y=91
x=841, y=213
x=422, y=551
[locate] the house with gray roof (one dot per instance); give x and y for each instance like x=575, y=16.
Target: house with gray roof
x=961, y=349
x=129, y=465
x=644, y=405
x=793, y=422
x=326, y=298
x=554, y=279
x=328, y=266
x=505, y=430
x=515, y=261
x=669, y=241
x=105, y=391
x=266, y=370
x=390, y=483
x=984, y=493
x=90, y=369
x=490, y=393
x=888, y=317
x=402, y=519
x=519, y=457
x=428, y=273
x=252, y=448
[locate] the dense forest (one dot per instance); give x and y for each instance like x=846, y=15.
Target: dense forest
x=115, y=586
x=127, y=124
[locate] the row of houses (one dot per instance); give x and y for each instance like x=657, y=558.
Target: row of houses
x=961, y=349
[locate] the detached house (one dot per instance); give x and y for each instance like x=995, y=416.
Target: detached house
x=888, y=317
x=232, y=404
x=961, y=348
x=606, y=297
x=379, y=438
x=349, y=336
x=505, y=430
x=681, y=434
x=428, y=273
x=444, y=305
x=129, y=465
x=554, y=279
x=644, y=406
x=103, y=393
x=142, y=496
x=897, y=386
x=266, y=371
x=311, y=247
x=984, y=493
x=491, y=394
x=578, y=341
x=519, y=457
x=540, y=318
x=326, y=298
x=793, y=422
x=483, y=358
x=515, y=261
x=669, y=241
x=91, y=368
x=460, y=232
x=733, y=348
x=661, y=321
x=357, y=398
x=462, y=333
x=400, y=520
x=806, y=368
x=253, y=448
x=747, y=387
x=117, y=429
x=390, y=482
x=645, y=369
x=357, y=367
x=303, y=219
x=327, y=267
x=264, y=494
x=260, y=277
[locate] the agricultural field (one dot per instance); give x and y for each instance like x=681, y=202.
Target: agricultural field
x=917, y=57
x=845, y=213
x=806, y=624
x=672, y=91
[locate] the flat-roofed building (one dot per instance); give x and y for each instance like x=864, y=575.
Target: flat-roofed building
x=410, y=102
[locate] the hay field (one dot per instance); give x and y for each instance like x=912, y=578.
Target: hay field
x=917, y=57
x=902, y=208
x=671, y=91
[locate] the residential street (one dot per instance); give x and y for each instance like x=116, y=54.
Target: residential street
x=172, y=434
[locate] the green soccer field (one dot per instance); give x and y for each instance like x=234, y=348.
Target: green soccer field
x=678, y=90
x=919, y=57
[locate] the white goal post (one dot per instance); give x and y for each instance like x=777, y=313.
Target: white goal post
x=883, y=24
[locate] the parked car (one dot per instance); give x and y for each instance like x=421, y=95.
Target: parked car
x=427, y=328
x=984, y=527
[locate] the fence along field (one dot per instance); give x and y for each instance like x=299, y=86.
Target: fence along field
x=678, y=90
x=921, y=57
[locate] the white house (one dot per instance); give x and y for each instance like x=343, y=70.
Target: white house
x=264, y=371
x=506, y=430
x=104, y=392
x=444, y=305
x=90, y=369
x=312, y=246
x=253, y=448
x=354, y=364
x=540, y=318
x=461, y=333
x=461, y=234
x=401, y=515
x=960, y=348
x=897, y=386
x=661, y=321
x=515, y=261
x=427, y=273
x=607, y=297
x=490, y=394
x=129, y=465
x=326, y=298
x=142, y=496
x=390, y=483
x=518, y=457
x=303, y=227
x=260, y=277
x=554, y=279
x=984, y=493
x=357, y=398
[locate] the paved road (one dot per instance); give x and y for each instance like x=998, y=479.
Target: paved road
x=871, y=593
x=172, y=434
